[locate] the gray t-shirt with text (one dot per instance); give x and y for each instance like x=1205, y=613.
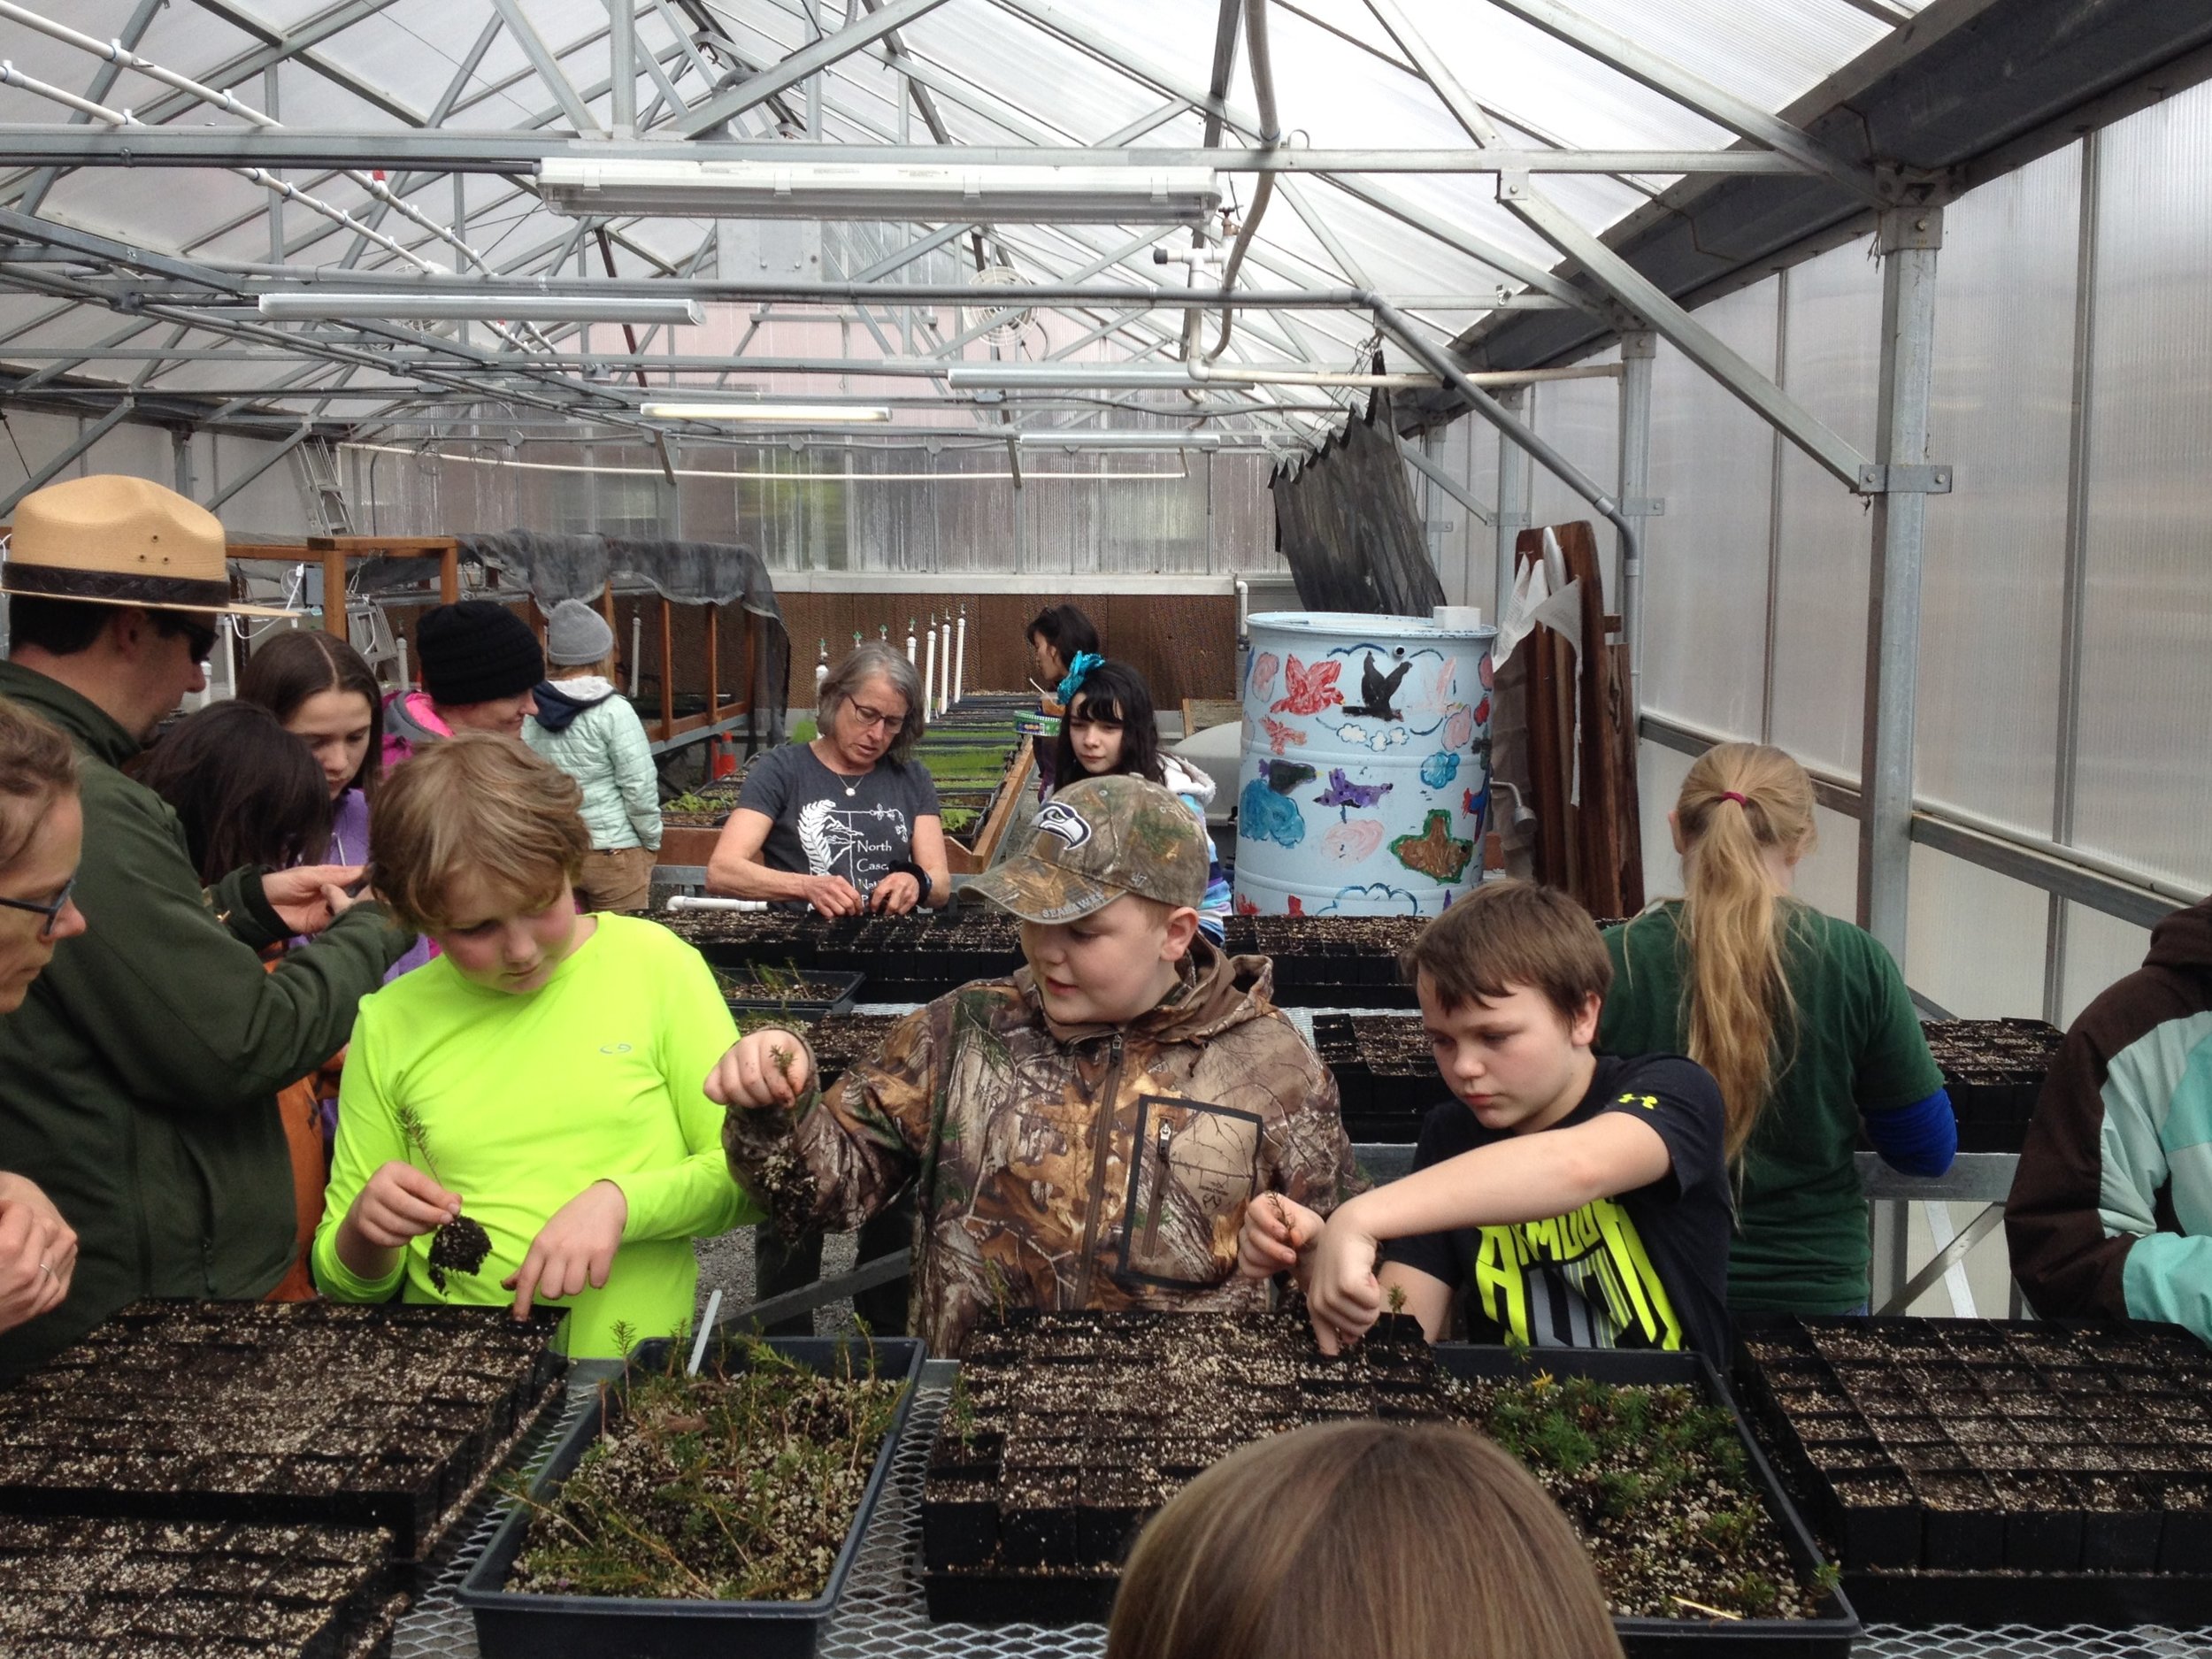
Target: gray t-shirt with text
x=824, y=825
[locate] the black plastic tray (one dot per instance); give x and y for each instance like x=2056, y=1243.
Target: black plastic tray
x=1829, y=1636
x=805, y=1007
x=517, y=1625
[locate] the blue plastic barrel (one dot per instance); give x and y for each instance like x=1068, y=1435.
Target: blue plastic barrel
x=1365, y=786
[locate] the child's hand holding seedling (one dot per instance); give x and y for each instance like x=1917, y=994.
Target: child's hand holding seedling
x=1277, y=1232
x=767, y=1069
x=399, y=1204
x=1342, y=1294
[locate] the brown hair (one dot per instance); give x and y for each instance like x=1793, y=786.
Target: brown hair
x=1361, y=1540
x=37, y=767
x=285, y=671
x=1509, y=934
x=248, y=792
x=1738, y=801
x=475, y=802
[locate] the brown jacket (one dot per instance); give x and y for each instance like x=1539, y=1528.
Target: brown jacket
x=1064, y=1167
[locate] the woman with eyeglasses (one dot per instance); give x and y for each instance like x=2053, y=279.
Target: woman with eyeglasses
x=848, y=823
x=41, y=832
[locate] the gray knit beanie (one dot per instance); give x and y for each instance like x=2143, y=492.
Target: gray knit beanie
x=576, y=634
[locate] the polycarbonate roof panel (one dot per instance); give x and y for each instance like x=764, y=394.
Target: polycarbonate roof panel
x=998, y=73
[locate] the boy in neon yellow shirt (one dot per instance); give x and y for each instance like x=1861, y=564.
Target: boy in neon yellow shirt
x=540, y=1076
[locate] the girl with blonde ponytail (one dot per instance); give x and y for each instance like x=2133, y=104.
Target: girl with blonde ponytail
x=1803, y=1020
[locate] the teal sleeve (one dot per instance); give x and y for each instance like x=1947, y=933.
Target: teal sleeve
x=633, y=774
x=2168, y=1276
x=697, y=1197
x=368, y=1139
x=1893, y=1068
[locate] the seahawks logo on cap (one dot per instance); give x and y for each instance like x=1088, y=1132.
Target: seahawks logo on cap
x=1057, y=817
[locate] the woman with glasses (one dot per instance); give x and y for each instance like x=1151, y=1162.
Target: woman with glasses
x=848, y=823
x=41, y=832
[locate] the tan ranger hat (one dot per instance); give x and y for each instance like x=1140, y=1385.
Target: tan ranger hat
x=1096, y=840
x=109, y=540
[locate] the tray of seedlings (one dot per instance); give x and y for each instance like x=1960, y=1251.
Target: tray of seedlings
x=905, y=958
x=1994, y=1071
x=1060, y=1441
x=843, y=1041
x=785, y=991
x=309, y=1413
x=700, y=1514
x=1333, y=960
x=73, y=1587
x=1982, y=1472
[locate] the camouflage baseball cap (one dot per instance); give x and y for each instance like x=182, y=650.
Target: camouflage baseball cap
x=1096, y=840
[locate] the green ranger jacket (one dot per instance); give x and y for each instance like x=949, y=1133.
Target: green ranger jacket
x=138, y=1080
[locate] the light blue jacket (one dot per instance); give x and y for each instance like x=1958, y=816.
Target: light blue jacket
x=604, y=748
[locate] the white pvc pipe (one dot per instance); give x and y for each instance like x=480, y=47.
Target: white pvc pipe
x=684, y=902
x=637, y=644
x=944, y=667
x=960, y=656
x=929, y=672
x=909, y=641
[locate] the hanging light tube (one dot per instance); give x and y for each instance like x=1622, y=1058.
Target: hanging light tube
x=795, y=414
x=1129, y=195
x=1128, y=438
x=315, y=306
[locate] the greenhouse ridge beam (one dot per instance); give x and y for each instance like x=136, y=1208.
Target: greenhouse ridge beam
x=38, y=144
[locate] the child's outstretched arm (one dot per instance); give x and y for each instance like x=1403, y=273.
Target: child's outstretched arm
x=1525, y=1177
x=830, y=1160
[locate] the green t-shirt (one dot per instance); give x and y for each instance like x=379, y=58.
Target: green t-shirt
x=525, y=1101
x=1801, y=1244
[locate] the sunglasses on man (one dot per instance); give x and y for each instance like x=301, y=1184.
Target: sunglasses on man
x=51, y=909
x=199, y=637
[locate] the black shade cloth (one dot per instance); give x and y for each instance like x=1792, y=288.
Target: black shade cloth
x=557, y=567
x=1345, y=522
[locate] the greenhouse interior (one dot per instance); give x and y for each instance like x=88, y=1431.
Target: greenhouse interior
x=1058, y=827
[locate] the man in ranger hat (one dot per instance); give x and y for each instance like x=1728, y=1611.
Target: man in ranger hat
x=138, y=1080
x=1086, y=1133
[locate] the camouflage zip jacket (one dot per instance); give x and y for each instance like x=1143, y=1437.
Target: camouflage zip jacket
x=1089, y=1166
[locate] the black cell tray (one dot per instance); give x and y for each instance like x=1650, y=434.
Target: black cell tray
x=516, y=1625
x=980, y=1596
x=1828, y=1636
x=808, y=1008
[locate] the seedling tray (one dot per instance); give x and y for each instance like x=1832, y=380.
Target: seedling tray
x=295, y=1413
x=817, y=992
x=1989, y=1472
x=1828, y=1636
x=181, y=1590
x=521, y=1624
x=1058, y=1445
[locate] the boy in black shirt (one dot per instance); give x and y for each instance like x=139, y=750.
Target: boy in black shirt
x=1583, y=1200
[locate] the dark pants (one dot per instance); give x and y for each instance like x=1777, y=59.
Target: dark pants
x=780, y=1266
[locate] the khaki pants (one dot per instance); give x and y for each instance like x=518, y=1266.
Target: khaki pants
x=621, y=879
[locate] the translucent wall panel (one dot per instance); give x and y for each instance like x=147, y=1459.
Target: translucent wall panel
x=1832, y=367
x=2099, y=949
x=2144, y=793
x=1975, y=939
x=1583, y=418
x=1828, y=878
x=270, y=507
x=1705, y=570
x=1992, y=587
x=1659, y=774
x=1465, y=554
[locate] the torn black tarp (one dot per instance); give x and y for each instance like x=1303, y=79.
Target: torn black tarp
x=1346, y=523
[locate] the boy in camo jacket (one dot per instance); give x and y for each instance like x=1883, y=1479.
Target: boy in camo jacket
x=1086, y=1134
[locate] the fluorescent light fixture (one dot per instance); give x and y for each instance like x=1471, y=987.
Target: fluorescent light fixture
x=795, y=414
x=1075, y=376
x=1126, y=438
x=1132, y=194
x=312, y=306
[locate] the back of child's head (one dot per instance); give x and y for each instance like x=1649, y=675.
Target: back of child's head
x=1066, y=629
x=246, y=790
x=1506, y=934
x=1114, y=692
x=1361, y=1540
x=1740, y=804
x=288, y=669
x=482, y=806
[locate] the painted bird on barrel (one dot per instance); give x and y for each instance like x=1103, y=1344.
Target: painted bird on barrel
x=1376, y=690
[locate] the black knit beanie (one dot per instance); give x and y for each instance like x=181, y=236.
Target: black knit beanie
x=476, y=652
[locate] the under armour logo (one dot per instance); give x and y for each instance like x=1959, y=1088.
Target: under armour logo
x=1056, y=817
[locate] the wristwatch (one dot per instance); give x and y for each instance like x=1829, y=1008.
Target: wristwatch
x=907, y=867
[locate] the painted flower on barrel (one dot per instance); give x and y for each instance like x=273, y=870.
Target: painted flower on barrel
x=1263, y=667
x=1308, y=689
x=1352, y=840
